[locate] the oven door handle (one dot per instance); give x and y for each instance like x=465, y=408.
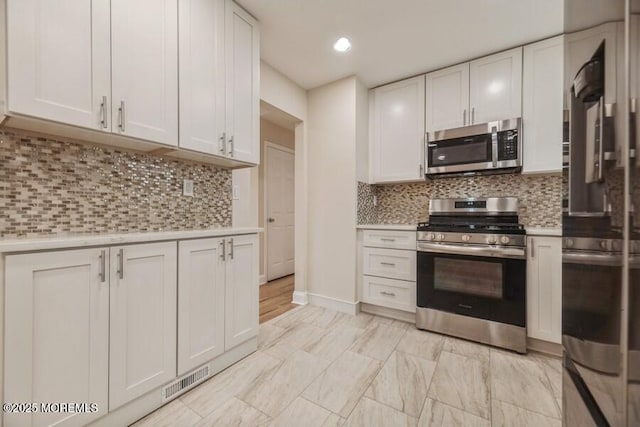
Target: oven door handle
x=606, y=258
x=486, y=251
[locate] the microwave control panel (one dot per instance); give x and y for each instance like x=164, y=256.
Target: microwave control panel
x=508, y=145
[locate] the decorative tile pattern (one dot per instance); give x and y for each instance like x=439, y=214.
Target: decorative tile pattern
x=539, y=197
x=366, y=207
x=52, y=186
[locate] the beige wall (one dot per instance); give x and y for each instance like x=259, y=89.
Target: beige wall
x=332, y=133
x=276, y=135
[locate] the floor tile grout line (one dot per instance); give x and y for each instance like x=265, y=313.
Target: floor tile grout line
x=528, y=410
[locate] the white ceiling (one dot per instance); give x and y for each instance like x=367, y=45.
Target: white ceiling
x=393, y=39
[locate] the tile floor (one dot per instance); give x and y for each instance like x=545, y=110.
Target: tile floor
x=318, y=368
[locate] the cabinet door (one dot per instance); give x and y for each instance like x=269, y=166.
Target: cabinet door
x=448, y=98
x=495, y=84
x=144, y=47
x=142, y=352
x=544, y=288
x=542, y=106
x=202, y=102
x=242, y=84
x=200, y=302
x=59, y=60
x=56, y=334
x=241, y=290
x=398, y=127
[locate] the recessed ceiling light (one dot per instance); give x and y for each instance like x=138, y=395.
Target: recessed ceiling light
x=342, y=45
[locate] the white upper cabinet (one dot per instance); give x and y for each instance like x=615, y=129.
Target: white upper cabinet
x=544, y=288
x=58, y=57
x=447, y=98
x=56, y=334
x=542, y=106
x=200, y=302
x=143, y=300
x=398, y=131
x=241, y=290
x=496, y=86
x=144, y=37
x=242, y=84
x=202, y=94
x=219, y=79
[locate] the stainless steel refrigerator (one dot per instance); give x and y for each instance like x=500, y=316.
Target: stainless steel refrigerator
x=601, y=235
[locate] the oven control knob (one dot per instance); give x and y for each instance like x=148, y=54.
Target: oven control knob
x=431, y=236
x=603, y=244
x=466, y=237
x=492, y=239
x=440, y=236
x=504, y=240
x=568, y=243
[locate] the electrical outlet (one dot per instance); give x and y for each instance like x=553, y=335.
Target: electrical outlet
x=187, y=187
x=375, y=200
x=234, y=192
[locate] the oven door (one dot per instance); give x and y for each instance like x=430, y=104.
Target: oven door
x=490, y=286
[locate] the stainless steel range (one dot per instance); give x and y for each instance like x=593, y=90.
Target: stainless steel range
x=471, y=278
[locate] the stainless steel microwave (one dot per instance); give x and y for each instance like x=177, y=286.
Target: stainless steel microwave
x=491, y=147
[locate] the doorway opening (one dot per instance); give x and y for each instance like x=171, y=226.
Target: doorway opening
x=276, y=211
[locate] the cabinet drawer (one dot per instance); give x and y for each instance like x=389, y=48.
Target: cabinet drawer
x=390, y=239
x=390, y=293
x=390, y=263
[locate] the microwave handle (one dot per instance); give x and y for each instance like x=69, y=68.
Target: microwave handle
x=600, y=140
x=494, y=146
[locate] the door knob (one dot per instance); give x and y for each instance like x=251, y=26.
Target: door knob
x=271, y=220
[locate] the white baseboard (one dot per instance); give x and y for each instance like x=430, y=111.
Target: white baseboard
x=263, y=279
x=300, y=298
x=342, y=306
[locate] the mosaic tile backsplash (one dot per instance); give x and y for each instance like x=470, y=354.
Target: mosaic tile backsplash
x=51, y=186
x=539, y=198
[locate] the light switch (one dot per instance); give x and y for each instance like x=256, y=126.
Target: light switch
x=234, y=193
x=187, y=187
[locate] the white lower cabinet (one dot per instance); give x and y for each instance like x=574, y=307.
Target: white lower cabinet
x=241, y=290
x=113, y=324
x=544, y=288
x=217, y=297
x=56, y=334
x=200, y=302
x=143, y=294
x=387, y=275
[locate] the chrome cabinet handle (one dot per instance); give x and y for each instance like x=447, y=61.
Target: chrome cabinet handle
x=230, y=248
x=221, y=145
x=223, y=255
x=102, y=266
x=420, y=170
x=464, y=117
x=473, y=115
x=532, y=245
x=389, y=294
x=387, y=239
x=271, y=220
x=231, y=145
x=121, y=116
x=103, y=112
x=121, y=263
x=390, y=264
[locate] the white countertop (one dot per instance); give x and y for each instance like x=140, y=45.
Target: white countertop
x=544, y=231
x=61, y=241
x=400, y=227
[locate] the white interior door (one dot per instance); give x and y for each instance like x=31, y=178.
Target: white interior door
x=279, y=196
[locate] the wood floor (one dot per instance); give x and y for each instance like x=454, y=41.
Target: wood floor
x=275, y=297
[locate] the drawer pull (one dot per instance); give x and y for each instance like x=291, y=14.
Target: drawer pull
x=389, y=294
x=387, y=240
x=390, y=264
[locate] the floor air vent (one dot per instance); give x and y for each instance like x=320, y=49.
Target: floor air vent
x=185, y=383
